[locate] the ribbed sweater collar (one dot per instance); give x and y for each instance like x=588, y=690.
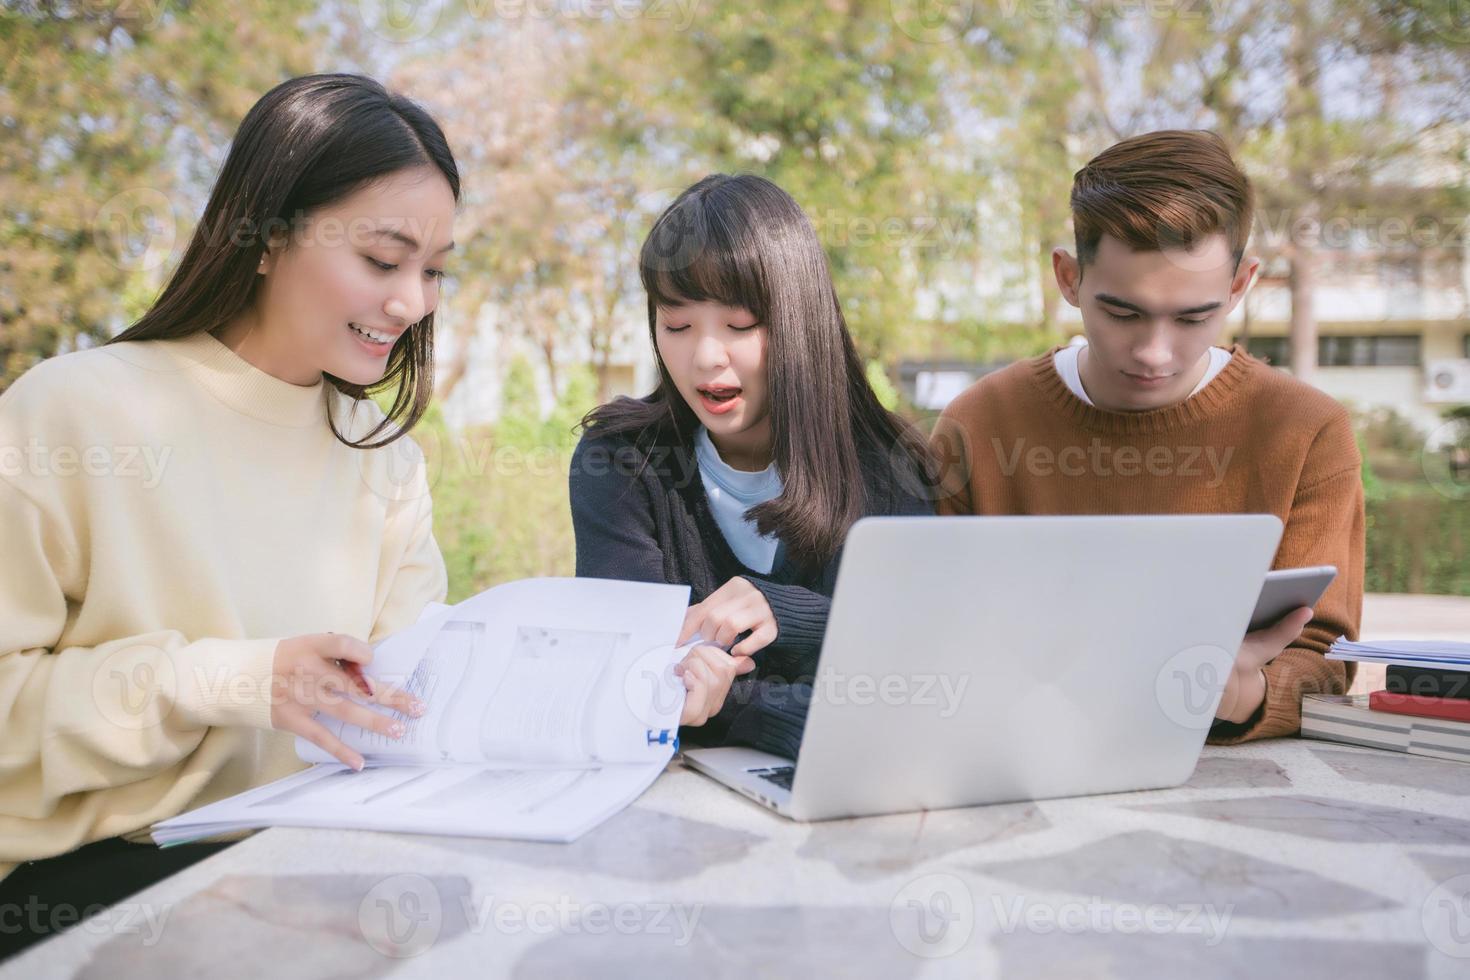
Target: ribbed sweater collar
x=244, y=387
x=1217, y=396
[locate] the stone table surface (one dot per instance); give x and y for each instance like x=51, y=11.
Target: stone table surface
x=1284, y=858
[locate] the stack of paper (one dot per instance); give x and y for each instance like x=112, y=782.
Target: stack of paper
x=1406, y=653
x=552, y=705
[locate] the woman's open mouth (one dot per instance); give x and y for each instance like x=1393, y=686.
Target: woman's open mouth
x=377, y=343
x=719, y=399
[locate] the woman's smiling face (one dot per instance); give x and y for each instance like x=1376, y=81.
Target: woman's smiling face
x=716, y=356
x=351, y=281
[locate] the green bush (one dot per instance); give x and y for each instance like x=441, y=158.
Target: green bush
x=501, y=510
x=1418, y=530
x=1418, y=541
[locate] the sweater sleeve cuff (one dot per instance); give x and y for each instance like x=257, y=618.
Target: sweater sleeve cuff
x=1223, y=732
x=772, y=724
x=801, y=615
x=1295, y=672
x=226, y=682
x=767, y=714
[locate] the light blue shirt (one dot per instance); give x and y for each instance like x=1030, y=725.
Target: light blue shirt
x=731, y=493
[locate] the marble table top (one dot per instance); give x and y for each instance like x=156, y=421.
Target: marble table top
x=1285, y=858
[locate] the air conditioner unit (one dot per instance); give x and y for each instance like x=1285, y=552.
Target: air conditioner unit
x=1447, y=382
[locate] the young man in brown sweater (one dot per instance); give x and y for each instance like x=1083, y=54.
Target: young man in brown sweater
x=1150, y=417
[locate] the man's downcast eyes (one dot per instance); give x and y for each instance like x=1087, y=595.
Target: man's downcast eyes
x=1125, y=317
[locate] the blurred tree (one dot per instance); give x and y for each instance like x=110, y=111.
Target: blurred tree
x=1332, y=107
x=932, y=145
x=112, y=114
x=551, y=220
x=1024, y=80
x=836, y=103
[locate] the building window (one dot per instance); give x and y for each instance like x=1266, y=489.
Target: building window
x=1387, y=351
x=1397, y=350
x=1272, y=350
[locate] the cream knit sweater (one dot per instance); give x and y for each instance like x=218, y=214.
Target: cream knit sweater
x=168, y=513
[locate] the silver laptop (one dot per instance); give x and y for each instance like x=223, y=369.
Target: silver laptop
x=973, y=660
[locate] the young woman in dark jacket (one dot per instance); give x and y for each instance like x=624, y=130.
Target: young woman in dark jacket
x=741, y=474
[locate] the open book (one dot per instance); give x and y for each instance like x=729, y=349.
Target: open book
x=551, y=705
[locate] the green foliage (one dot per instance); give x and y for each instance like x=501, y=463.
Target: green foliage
x=927, y=145
x=501, y=511
x=989, y=341
x=500, y=508
x=928, y=148
x=578, y=397
x=521, y=423
x=504, y=521
x=888, y=395
x=1372, y=489
x=500, y=491
x=108, y=114
x=1418, y=541
x=1418, y=534
x=834, y=103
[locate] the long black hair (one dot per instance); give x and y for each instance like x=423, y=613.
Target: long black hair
x=308, y=143
x=742, y=241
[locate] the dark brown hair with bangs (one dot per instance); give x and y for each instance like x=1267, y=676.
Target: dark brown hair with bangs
x=1163, y=190
x=742, y=241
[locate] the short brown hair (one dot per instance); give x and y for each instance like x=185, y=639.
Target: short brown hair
x=1169, y=189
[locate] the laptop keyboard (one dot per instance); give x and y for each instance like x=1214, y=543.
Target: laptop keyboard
x=780, y=775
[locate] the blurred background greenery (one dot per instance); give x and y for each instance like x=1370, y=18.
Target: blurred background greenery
x=931, y=141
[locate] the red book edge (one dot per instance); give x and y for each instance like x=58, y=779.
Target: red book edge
x=1447, y=709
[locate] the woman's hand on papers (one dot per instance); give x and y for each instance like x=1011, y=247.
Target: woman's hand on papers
x=1246, y=687
x=315, y=673
x=708, y=673
x=734, y=608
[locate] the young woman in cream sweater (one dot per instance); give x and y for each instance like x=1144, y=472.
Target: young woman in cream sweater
x=206, y=521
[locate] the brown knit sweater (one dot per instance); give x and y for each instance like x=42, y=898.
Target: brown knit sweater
x=1254, y=440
